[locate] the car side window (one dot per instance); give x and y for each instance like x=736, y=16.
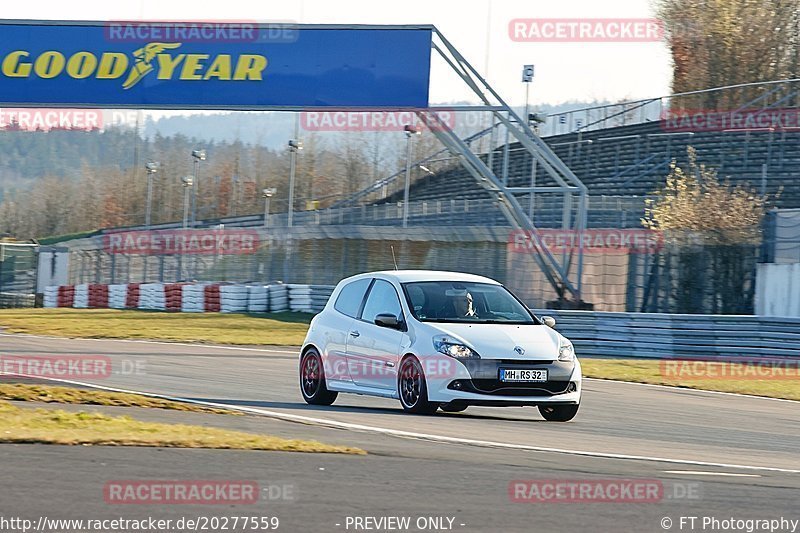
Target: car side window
x=382, y=299
x=351, y=296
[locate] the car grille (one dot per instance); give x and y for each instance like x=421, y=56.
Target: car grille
x=496, y=387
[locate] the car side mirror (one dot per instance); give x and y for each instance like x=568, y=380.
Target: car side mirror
x=549, y=321
x=388, y=320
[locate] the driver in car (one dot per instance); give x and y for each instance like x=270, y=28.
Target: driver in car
x=462, y=304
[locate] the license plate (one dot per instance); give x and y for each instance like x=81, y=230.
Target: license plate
x=508, y=374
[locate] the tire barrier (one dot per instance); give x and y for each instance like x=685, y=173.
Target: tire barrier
x=278, y=298
x=50, y=298
x=309, y=298
x=173, y=296
x=81, y=296
x=233, y=298
x=66, y=296
x=192, y=297
x=151, y=296
x=211, y=299
x=98, y=296
x=118, y=295
x=258, y=298
x=132, y=296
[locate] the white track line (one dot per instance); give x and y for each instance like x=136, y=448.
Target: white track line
x=699, y=473
x=689, y=389
x=415, y=435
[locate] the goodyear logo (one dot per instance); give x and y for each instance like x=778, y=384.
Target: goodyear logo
x=164, y=60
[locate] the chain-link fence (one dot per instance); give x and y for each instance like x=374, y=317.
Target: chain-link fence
x=17, y=275
x=618, y=273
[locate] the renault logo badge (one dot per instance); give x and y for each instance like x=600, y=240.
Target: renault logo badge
x=520, y=350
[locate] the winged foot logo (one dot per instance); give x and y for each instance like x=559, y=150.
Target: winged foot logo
x=159, y=57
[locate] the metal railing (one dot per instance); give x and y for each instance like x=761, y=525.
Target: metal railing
x=481, y=211
x=653, y=109
x=676, y=336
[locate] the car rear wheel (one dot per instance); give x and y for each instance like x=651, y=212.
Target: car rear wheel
x=559, y=413
x=412, y=388
x=453, y=407
x=312, y=380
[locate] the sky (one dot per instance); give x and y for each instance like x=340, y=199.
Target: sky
x=564, y=71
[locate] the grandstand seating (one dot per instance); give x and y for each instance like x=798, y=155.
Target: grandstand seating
x=630, y=162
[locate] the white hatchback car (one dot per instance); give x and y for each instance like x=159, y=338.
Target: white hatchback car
x=438, y=340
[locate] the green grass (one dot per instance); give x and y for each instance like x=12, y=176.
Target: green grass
x=213, y=328
x=650, y=371
x=55, y=426
x=69, y=395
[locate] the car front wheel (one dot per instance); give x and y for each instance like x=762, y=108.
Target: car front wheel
x=559, y=413
x=312, y=380
x=412, y=388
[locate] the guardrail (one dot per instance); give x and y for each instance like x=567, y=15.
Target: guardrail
x=653, y=335
x=667, y=336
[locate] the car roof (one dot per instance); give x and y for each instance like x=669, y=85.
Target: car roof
x=405, y=276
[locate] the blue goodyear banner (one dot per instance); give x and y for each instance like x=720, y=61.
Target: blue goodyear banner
x=164, y=65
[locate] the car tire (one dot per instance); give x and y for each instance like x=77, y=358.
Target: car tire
x=453, y=407
x=312, y=380
x=559, y=413
x=412, y=388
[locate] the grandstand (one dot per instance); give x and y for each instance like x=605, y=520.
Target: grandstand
x=622, y=165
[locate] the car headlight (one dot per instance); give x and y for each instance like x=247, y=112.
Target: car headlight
x=453, y=348
x=566, y=353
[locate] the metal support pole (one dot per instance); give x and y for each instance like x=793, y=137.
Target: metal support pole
x=186, y=206
x=408, y=180
x=149, y=200
x=194, y=193
x=292, y=165
x=266, y=212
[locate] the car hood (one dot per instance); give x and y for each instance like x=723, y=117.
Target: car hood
x=498, y=341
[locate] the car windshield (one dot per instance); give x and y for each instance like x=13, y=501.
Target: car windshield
x=459, y=301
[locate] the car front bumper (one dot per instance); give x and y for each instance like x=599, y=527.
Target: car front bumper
x=477, y=383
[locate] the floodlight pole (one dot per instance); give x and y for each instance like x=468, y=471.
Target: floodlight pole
x=294, y=147
x=267, y=194
x=197, y=156
x=150, y=168
x=410, y=131
x=187, y=181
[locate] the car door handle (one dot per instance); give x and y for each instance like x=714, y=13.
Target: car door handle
x=355, y=334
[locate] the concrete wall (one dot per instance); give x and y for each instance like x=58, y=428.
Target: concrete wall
x=778, y=289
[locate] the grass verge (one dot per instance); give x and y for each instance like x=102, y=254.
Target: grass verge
x=55, y=426
x=213, y=328
x=55, y=394
x=652, y=371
